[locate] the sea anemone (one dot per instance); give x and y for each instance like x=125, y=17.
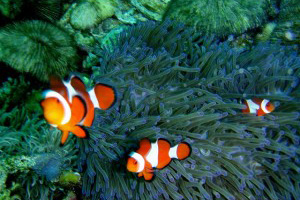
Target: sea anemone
x=37, y=47
x=174, y=84
x=219, y=17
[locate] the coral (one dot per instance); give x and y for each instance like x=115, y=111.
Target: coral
x=266, y=32
x=10, y=193
x=18, y=101
x=10, y=8
x=220, y=18
x=176, y=85
x=12, y=91
x=89, y=13
x=154, y=9
x=49, y=165
x=69, y=178
x=288, y=25
x=13, y=165
x=49, y=10
x=37, y=47
x=31, y=156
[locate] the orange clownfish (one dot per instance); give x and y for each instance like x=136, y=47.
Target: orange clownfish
x=68, y=105
x=155, y=155
x=257, y=106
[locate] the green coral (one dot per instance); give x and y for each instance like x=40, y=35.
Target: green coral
x=288, y=25
x=49, y=10
x=39, y=48
x=89, y=13
x=176, y=85
x=29, y=152
x=152, y=9
x=12, y=91
x=10, y=9
x=220, y=17
x=69, y=178
x=34, y=151
x=13, y=165
x=266, y=32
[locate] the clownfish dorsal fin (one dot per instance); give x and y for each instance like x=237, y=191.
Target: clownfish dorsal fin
x=77, y=84
x=103, y=96
x=58, y=86
x=145, y=146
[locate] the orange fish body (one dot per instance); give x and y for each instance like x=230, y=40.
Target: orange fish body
x=259, y=107
x=68, y=105
x=155, y=155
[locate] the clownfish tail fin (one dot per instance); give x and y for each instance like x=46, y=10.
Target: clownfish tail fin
x=183, y=150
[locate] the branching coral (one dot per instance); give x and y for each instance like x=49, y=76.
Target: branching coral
x=37, y=47
x=219, y=17
x=173, y=84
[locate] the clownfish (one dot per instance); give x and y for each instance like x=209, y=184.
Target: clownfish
x=155, y=155
x=257, y=106
x=68, y=105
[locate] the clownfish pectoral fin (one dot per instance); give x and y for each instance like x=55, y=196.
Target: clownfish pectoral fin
x=140, y=174
x=145, y=146
x=79, y=132
x=149, y=170
x=64, y=137
x=105, y=96
x=260, y=112
x=148, y=176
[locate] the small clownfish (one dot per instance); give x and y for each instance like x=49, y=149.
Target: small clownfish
x=257, y=106
x=68, y=105
x=155, y=155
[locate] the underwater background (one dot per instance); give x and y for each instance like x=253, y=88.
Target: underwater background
x=180, y=69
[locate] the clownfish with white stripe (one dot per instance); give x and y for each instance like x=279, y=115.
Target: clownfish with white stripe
x=69, y=106
x=259, y=107
x=155, y=155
